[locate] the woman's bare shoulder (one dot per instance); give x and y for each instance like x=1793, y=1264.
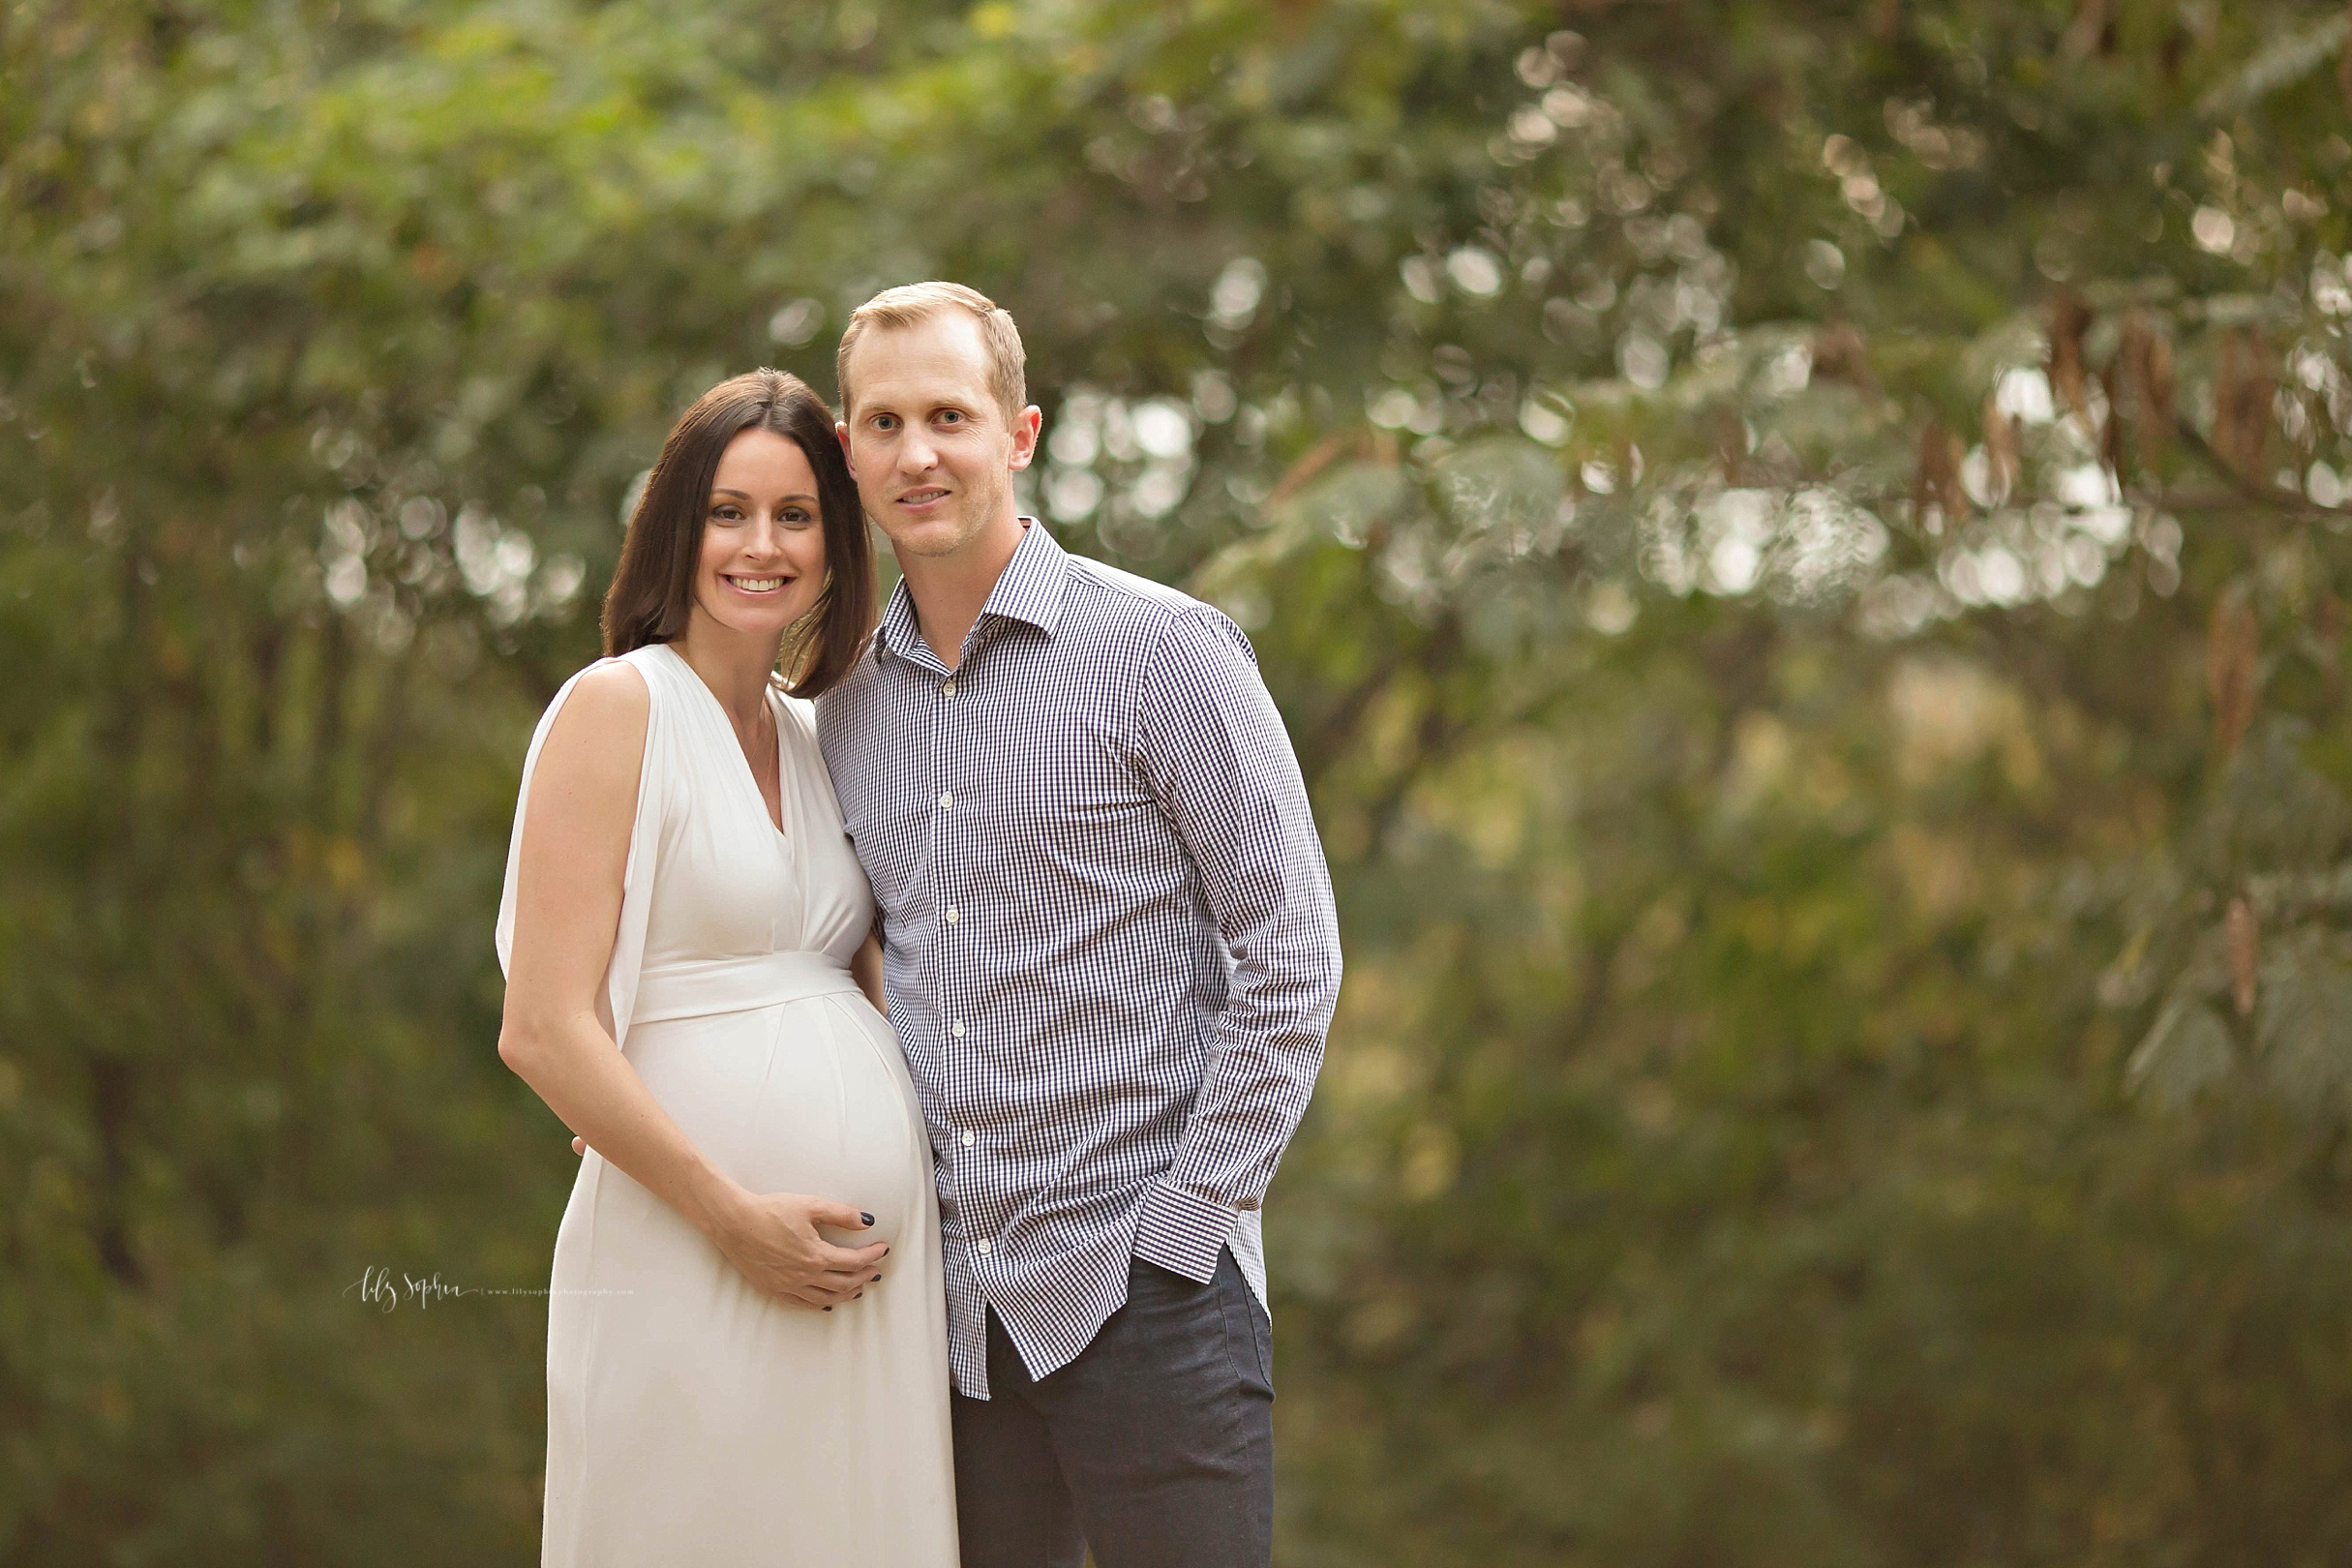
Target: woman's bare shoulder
x=603, y=721
x=615, y=688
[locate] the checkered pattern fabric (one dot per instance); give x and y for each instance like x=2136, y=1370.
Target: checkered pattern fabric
x=1109, y=945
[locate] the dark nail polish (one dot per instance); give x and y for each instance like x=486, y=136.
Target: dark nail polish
x=878, y=1279
x=867, y=1217
x=860, y=1295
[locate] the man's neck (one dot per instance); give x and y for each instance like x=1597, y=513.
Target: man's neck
x=949, y=591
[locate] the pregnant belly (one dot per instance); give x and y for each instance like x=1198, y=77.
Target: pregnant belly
x=807, y=1096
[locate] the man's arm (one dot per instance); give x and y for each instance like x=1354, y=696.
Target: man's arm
x=1213, y=748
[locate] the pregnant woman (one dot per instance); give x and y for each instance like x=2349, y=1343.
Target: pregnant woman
x=746, y=1356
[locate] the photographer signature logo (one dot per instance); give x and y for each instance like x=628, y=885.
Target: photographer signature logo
x=378, y=1287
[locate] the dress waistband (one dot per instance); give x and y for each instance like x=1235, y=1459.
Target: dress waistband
x=700, y=988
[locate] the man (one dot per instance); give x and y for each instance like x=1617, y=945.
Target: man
x=1109, y=951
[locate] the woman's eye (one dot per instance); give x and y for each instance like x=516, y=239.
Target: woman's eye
x=796, y=516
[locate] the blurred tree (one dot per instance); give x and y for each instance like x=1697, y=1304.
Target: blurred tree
x=1801, y=546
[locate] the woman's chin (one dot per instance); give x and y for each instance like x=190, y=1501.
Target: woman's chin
x=755, y=617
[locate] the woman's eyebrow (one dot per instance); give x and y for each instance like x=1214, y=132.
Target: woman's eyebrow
x=717, y=491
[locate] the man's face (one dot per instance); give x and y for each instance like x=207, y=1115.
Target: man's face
x=930, y=449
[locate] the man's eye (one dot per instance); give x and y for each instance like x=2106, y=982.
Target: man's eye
x=884, y=422
x=950, y=417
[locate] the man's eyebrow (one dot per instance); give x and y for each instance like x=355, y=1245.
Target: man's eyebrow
x=875, y=409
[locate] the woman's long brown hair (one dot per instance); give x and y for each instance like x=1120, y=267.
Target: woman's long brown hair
x=653, y=587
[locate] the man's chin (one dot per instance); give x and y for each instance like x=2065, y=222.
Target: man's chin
x=931, y=537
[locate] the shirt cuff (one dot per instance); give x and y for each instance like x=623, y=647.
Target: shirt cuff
x=1183, y=1231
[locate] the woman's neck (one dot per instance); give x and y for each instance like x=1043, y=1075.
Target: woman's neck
x=736, y=666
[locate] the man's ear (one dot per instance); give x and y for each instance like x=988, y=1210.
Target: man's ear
x=1025, y=428
x=841, y=434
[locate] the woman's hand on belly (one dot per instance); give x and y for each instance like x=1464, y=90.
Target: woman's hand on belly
x=771, y=1239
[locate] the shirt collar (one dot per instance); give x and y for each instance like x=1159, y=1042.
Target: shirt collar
x=1031, y=585
x=1030, y=589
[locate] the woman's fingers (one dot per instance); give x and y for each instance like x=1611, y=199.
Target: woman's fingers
x=852, y=1259
x=783, y=1256
x=839, y=1216
x=826, y=1296
x=828, y=1288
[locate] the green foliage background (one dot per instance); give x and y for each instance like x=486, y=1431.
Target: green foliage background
x=1801, y=544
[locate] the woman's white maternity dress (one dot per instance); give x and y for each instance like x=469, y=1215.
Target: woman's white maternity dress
x=690, y=1419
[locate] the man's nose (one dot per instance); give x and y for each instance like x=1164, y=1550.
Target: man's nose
x=916, y=452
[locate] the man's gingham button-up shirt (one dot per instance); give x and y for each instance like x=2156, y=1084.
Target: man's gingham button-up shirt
x=1109, y=946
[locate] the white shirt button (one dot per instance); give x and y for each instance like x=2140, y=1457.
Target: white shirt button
x=956, y=1029
x=967, y=1140
x=951, y=915
x=981, y=1246
x=946, y=800
x=948, y=690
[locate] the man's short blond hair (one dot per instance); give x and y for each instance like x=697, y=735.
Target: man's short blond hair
x=912, y=303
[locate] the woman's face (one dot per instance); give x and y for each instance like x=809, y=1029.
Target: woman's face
x=763, y=564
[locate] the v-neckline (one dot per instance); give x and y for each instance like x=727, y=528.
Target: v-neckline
x=735, y=746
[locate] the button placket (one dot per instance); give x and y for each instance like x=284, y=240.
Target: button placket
x=974, y=1207
x=935, y=729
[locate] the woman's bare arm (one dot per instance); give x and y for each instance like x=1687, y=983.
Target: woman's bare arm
x=555, y=1034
